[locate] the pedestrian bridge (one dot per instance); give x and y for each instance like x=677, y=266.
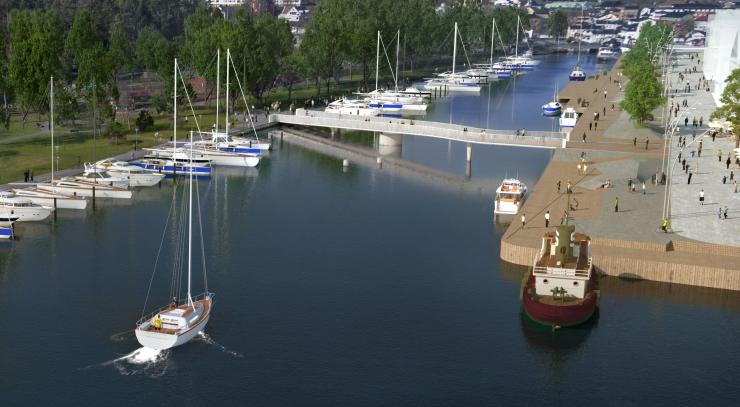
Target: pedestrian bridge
x=403, y=125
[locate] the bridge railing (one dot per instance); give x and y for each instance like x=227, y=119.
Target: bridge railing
x=424, y=127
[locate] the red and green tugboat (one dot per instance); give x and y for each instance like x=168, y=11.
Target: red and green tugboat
x=562, y=288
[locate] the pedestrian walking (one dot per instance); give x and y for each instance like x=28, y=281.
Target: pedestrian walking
x=701, y=121
x=584, y=139
x=568, y=188
x=724, y=213
x=633, y=187
x=634, y=142
x=732, y=175
x=728, y=162
x=25, y=176
x=558, y=186
x=596, y=125
x=719, y=213
x=647, y=142
x=701, y=197
x=735, y=182
x=604, y=94
x=690, y=174
x=604, y=111
x=724, y=179
x=547, y=219
x=524, y=220
x=685, y=122
x=590, y=126
x=616, y=204
x=719, y=155
x=643, y=187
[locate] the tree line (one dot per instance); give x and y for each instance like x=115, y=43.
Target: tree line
x=86, y=44
x=644, y=92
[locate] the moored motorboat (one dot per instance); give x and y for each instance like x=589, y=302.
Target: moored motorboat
x=100, y=176
x=553, y=108
x=562, y=288
x=52, y=199
x=18, y=209
x=510, y=196
x=136, y=176
x=568, y=118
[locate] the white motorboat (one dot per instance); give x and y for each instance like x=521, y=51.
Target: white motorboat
x=136, y=176
x=18, y=209
x=181, y=321
x=553, y=108
x=606, y=53
x=99, y=176
x=351, y=107
x=510, y=196
x=568, y=118
x=74, y=187
x=52, y=199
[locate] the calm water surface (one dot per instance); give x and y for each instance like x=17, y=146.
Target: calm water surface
x=335, y=288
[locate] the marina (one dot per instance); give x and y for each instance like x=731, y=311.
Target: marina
x=462, y=237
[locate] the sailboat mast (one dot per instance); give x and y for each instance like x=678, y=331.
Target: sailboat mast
x=493, y=31
x=516, y=46
x=454, y=50
x=51, y=125
x=377, y=61
x=174, y=104
x=580, y=36
x=190, y=220
x=398, y=48
x=218, y=82
x=228, y=61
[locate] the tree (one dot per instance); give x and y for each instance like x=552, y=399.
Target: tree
x=144, y=121
x=292, y=68
x=120, y=50
x=36, y=38
x=557, y=24
x=325, y=40
x=271, y=43
x=4, y=83
x=82, y=36
x=642, y=95
x=730, y=100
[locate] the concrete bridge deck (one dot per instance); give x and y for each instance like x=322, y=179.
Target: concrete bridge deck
x=394, y=125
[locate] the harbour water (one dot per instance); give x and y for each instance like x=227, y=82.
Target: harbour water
x=344, y=288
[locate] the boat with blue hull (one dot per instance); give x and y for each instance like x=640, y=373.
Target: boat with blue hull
x=174, y=166
x=6, y=232
x=553, y=108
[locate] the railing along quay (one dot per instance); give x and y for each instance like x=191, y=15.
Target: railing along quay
x=393, y=125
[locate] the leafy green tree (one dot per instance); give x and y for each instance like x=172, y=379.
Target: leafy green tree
x=292, y=68
x=730, y=99
x=144, y=121
x=557, y=24
x=81, y=37
x=120, y=49
x=66, y=107
x=271, y=43
x=4, y=83
x=325, y=40
x=36, y=39
x=642, y=95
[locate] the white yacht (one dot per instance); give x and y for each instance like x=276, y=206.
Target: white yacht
x=98, y=176
x=351, y=107
x=19, y=209
x=136, y=176
x=510, y=196
x=568, y=118
x=606, y=53
x=52, y=199
x=74, y=187
x=180, y=321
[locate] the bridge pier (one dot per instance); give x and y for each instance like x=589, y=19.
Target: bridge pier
x=390, y=144
x=468, y=160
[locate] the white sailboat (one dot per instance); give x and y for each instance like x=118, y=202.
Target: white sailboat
x=179, y=322
x=70, y=186
x=52, y=199
x=578, y=74
x=453, y=82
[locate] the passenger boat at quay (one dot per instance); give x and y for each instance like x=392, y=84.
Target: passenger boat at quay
x=509, y=197
x=562, y=287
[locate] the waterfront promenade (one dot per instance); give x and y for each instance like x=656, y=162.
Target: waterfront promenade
x=628, y=242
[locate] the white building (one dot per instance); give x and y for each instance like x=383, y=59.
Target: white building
x=283, y=3
x=722, y=48
x=227, y=3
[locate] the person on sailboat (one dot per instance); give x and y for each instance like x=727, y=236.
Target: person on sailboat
x=174, y=302
x=157, y=323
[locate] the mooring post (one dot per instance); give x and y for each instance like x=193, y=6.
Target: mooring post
x=468, y=160
x=93, y=188
x=55, y=208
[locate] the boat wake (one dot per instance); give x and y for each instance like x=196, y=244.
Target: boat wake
x=142, y=361
x=205, y=338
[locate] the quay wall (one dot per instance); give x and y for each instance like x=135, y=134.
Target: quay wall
x=678, y=262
